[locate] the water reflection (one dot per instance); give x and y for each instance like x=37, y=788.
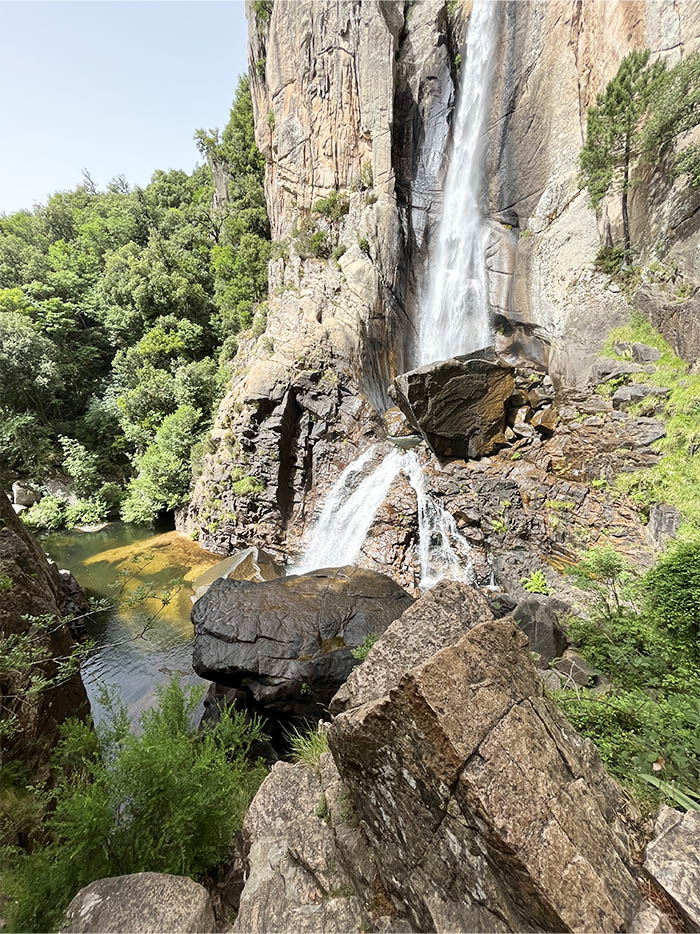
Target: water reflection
x=100, y=561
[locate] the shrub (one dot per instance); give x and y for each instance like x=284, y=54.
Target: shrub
x=603, y=572
x=81, y=465
x=363, y=244
x=86, y=512
x=48, y=513
x=339, y=251
x=610, y=259
x=536, y=582
x=673, y=592
x=247, y=486
x=335, y=206
x=166, y=800
x=164, y=471
x=366, y=175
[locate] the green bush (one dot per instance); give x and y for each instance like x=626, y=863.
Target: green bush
x=673, y=592
x=646, y=724
x=610, y=259
x=334, y=207
x=48, y=513
x=164, y=471
x=536, y=582
x=86, y=512
x=605, y=574
x=167, y=799
x=363, y=244
x=362, y=651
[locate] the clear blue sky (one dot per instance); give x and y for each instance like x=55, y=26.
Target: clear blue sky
x=115, y=86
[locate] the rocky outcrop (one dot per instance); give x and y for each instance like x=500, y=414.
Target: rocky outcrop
x=251, y=564
x=144, y=903
x=457, y=405
x=457, y=799
x=673, y=861
x=287, y=644
x=32, y=587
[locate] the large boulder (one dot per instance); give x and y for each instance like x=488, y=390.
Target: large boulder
x=672, y=858
x=142, y=903
x=484, y=808
x=288, y=643
x=458, y=405
x=539, y=617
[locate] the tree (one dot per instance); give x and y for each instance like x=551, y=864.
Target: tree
x=674, y=109
x=613, y=132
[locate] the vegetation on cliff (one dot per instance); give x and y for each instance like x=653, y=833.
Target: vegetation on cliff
x=118, y=315
x=643, y=634
x=167, y=799
x=640, y=116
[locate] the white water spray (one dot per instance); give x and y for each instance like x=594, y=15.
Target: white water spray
x=351, y=505
x=454, y=318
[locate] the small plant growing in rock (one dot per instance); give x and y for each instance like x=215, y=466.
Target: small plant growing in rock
x=536, y=582
x=363, y=244
x=366, y=176
x=362, y=651
x=307, y=747
x=6, y=583
x=499, y=526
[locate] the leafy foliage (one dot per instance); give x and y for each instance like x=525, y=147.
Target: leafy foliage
x=167, y=799
x=675, y=109
x=646, y=724
x=362, y=651
x=676, y=478
x=115, y=305
x=536, y=582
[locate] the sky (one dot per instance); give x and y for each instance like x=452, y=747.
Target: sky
x=112, y=86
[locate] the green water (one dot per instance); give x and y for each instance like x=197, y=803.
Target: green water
x=128, y=658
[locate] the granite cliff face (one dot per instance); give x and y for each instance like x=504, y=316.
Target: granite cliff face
x=356, y=99
x=352, y=98
x=556, y=58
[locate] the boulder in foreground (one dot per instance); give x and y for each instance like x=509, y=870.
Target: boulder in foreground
x=142, y=903
x=288, y=642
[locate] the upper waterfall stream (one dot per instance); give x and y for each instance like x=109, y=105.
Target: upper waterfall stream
x=453, y=319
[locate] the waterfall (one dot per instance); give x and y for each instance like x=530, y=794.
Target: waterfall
x=442, y=550
x=454, y=317
x=351, y=505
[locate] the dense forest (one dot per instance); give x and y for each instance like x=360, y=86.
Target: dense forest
x=119, y=311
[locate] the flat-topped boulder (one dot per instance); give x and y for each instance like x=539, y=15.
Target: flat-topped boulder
x=144, y=903
x=458, y=405
x=288, y=643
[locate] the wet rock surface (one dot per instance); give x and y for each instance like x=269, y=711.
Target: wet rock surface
x=457, y=405
x=145, y=903
x=287, y=644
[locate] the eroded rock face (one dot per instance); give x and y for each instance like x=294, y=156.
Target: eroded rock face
x=485, y=810
x=35, y=588
x=287, y=643
x=145, y=903
x=457, y=405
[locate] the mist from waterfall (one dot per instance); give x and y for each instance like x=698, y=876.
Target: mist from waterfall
x=453, y=318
